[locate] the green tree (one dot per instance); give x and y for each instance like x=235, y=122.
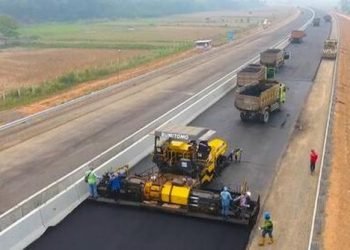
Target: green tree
x=8, y=26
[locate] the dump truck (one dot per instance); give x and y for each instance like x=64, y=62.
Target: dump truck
x=327, y=18
x=330, y=49
x=251, y=74
x=297, y=36
x=186, y=159
x=316, y=22
x=256, y=102
x=273, y=59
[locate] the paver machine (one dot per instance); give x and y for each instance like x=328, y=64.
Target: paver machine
x=330, y=49
x=187, y=159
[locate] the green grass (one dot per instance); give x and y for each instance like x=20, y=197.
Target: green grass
x=159, y=37
x=27, y=95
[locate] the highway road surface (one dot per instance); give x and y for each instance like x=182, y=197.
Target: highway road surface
x=100, y=226
x=36, y=153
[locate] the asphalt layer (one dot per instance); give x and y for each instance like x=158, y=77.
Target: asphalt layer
x=100, y=226
x=43, y=151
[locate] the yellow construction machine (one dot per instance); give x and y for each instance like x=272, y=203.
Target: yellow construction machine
x=187, y=158
x=190, y=151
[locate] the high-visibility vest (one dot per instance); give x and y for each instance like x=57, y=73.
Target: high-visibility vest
x=91, y=177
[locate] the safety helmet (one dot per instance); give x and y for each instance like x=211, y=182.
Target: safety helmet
x=225, y=188
x=249, y=193
x=267, y=215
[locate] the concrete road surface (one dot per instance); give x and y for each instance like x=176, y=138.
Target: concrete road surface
x=99, y=226
x=36, y=154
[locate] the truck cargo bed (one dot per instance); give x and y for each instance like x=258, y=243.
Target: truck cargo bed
x=253, y=73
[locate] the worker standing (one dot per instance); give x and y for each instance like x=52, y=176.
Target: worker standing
x=266, y=228
x=91, y=179
x=226, y=199
x=313, y=160
x=115, y=184
x=238, y=154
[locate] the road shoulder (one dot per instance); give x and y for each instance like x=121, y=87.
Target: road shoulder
x=292, y=196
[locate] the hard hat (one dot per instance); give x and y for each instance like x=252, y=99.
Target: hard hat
x=249, y=193
x=225, y=188
x=267, y=215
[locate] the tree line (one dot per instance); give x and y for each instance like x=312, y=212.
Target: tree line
x=71, y=10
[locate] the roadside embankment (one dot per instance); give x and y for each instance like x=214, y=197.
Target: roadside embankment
x=291, y=200
x=337, y=223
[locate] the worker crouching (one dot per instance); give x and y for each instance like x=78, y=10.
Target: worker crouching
x=266, y=228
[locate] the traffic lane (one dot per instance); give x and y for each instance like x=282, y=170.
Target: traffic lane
x=262, y=146
x=131, y=228
x=51, y=155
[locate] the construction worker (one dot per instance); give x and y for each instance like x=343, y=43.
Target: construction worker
x=313, y=160
x=266, y=228
x=244, y=200
x=226, y=199
x=115, y=184
x=91, y=178
x=237, y=154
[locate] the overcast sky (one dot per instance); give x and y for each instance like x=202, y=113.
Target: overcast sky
x=308, y=2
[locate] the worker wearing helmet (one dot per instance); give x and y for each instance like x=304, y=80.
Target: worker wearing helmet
x=226, y=199
x=267, y=228
x=244, y=200
x=91, y=178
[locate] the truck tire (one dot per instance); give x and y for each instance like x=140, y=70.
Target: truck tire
x=244, y=117
x=265, y=117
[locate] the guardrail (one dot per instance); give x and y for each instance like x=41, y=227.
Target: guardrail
x=28, y=220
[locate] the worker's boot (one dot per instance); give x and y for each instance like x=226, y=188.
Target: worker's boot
x=270, y=240
x=262, y=241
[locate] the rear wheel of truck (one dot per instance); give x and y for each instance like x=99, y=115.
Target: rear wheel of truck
x=265, y=117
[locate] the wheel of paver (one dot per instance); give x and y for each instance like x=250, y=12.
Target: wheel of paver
x=266, y=116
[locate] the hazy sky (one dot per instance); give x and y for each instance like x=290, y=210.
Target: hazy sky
x=308, y=2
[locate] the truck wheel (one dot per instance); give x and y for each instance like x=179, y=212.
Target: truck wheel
x=243, y=117
x=265, y=116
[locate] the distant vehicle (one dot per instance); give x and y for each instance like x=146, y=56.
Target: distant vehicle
x=297, y=36
x=257, y=101
x=327, y=18
x=252, y=73
x=316, y=22
x=330, y=49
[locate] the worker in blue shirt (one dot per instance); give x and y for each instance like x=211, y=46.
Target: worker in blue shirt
x=226, y=199
x=115, y=185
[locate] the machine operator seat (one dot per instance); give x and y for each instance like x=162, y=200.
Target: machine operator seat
x=203, y=150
